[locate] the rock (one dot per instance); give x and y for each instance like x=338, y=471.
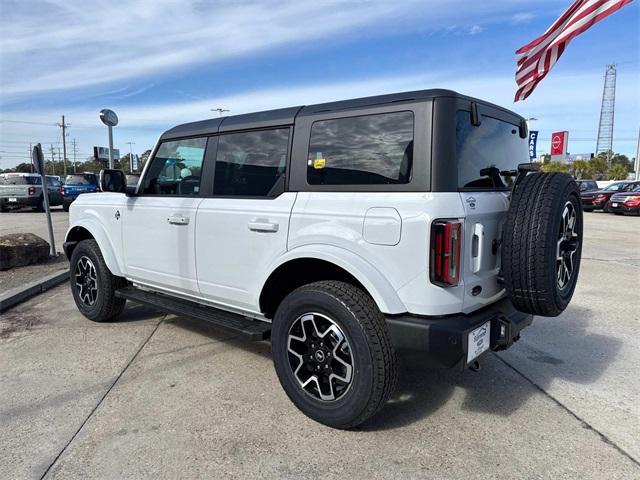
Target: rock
x=18, y=249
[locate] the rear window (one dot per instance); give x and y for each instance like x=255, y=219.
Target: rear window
x=484, y=151
x=76, y=179
x=365, y=150
x=19, y=180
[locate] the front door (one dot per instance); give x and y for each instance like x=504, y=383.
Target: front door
x=242, y=229
x=159, y=230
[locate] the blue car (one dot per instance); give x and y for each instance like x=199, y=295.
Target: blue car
x=76, y=184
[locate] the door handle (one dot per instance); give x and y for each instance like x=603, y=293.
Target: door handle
x=477, y=245
x=178, y=220
x=261, y=225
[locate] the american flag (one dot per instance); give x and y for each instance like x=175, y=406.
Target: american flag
x=538, y=57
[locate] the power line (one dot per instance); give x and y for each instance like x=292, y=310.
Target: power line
x=28, y=123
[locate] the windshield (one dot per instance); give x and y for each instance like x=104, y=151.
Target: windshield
x=616, y=187
x=484, y=151
x=19, y=180
x=81, y=179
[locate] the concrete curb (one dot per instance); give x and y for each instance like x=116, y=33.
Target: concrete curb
x=18, y=295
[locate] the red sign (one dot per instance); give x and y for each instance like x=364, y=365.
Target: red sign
x=559, y=143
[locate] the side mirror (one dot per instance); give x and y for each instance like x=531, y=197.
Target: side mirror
x=113, y=181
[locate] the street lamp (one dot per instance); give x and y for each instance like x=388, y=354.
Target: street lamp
x=110, y=119
x=131, y=144
x=220, y=110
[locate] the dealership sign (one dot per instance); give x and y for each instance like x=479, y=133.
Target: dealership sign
x=533, y=140
x=102, y=154
x=559, y=142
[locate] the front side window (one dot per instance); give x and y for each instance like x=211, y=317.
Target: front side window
x=176, y=168
x=365, y=150
x=251, y=164
x=484, y=151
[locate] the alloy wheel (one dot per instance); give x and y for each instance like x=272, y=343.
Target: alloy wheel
x=320, y=356
x=567, y=245
x=86, y=281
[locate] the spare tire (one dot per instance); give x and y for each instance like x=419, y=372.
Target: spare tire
x=542, y=243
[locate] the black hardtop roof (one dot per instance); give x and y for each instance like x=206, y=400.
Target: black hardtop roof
x=287, y=116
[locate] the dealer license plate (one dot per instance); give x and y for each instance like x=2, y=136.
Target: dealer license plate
x=479, y=340
x=13, y=199
x=614, y=204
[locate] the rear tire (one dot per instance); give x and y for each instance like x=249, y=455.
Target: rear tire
x=93, y=285
x=542, y=243
x=355, y=334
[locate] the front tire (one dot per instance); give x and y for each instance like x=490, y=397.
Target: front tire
x=333, y=354
x=93, y=285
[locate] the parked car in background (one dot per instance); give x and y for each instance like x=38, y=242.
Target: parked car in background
x=76, y=184
x=25, y=190
x=599, y=199
x=627, y=202
x=587, y=185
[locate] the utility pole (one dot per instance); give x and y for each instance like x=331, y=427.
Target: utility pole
x=53, y=159
x=31, y=156
x=74, y=155
x=64, y=145
x=220, y=110
x=131, y=155
x=637, y=164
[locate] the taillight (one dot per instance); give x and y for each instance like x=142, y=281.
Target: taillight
x=32, y=190
x=61, y=190
x=446, y=239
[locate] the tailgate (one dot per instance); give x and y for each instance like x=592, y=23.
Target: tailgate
x=484, y=219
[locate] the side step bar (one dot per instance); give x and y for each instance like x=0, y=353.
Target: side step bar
x=247, y=328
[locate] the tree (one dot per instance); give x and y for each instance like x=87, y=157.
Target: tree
x=598, y=166
x=618, y=172
x=555, y=167
x=580, y=169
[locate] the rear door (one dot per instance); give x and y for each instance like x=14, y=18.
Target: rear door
x=242, y=229
x=483, y=153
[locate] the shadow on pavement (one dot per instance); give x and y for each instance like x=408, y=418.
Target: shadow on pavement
x=422, y=391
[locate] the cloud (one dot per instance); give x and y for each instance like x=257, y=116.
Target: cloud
x=69, y=44
x=522, y=17
x=476, y=29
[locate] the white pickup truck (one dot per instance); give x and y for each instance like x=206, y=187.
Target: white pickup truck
x=344, y=232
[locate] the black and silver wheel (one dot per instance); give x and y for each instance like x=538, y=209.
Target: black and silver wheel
x=86, y=280
x=333, y=354
x=93, y=285
x=542, y=243
x=567, y=246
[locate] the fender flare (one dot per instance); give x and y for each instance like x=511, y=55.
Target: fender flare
x=372, y=280
x=97, y=231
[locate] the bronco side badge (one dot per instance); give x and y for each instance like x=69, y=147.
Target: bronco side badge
x=472, y=202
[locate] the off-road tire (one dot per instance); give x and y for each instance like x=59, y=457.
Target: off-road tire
x=107, y=306
x=531, y=241
x=375, y=370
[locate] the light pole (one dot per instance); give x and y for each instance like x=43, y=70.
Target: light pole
x=131, y=155
x=220, y=110
x=110, y=119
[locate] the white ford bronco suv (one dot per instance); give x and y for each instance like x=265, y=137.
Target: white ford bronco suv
x=344, y=232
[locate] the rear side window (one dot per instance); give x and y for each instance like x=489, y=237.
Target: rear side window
x=251, y=164
x=486, y=150
x=176, y=168
x=365, y=150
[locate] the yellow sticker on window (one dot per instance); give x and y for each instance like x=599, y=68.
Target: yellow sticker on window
x=318, y=163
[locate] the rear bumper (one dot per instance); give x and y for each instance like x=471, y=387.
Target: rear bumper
x=20, y=201
x=443, y=340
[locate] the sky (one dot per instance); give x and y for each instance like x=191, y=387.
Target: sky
x=159, y=63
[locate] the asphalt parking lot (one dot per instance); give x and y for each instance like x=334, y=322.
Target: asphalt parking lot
x=162, y=396
x=25, y=220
